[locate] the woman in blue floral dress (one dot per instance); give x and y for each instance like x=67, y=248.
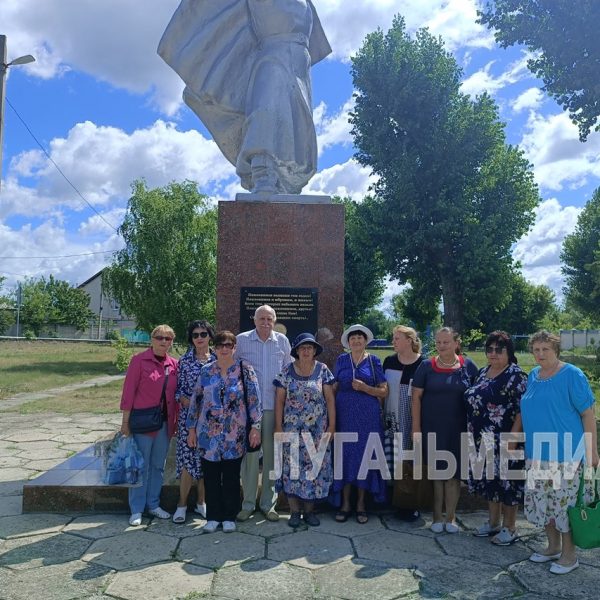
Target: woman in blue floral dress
x=305, y=406
x=493, y=404
x=187, y=460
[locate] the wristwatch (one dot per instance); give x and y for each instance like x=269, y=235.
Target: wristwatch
x=257, y=426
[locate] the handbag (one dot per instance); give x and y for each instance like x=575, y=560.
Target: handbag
x=123, y=462
x=147, y=420
x=584, y=519
x=249, y=448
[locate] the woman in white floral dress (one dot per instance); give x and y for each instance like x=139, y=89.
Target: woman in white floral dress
x=305, y=406
x=558, y=415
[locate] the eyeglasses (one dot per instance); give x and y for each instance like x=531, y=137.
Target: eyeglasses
x=224, y=345
x=494, y=349
x=199, y=334
x=163, y=338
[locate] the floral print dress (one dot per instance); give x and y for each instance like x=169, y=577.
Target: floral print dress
x=305, y=412
x=187, y=375
x=218, y=410
x=492, y=406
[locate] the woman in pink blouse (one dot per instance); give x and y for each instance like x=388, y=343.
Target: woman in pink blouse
x=151, y=380
x=226, y=396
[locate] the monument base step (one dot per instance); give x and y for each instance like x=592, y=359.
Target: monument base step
x=76, y=485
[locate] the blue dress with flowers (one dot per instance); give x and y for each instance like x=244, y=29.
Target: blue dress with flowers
x=492, y=407
x=305, y=411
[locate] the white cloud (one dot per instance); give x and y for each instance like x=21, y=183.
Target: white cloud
x=333, y=130
x=484, y=80
x=529, y=100
x=552, y=144
x=116, y=41
x=539, y=251
x=347, y=179
x=103, y=161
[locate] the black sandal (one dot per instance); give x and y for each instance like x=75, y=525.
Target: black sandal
x=362, y=517
x=341, y=516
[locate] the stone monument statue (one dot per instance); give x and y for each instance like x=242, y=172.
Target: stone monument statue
x=246, y=66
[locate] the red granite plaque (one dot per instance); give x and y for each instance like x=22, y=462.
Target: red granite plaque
x=289, y=245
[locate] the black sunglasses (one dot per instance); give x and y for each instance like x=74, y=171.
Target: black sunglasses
x=224, y=345
x=494, y=349
x=199, y=334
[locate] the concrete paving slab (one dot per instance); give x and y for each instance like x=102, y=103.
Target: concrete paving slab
x=10, y=505
x=12, y=461
x=24, y=436
x=167, y=580
x=310, y=549
x=54, y=452
x=360, y=579
x=135, y=549
x=192, y=526
x=32, y=524
x=41, y=550
x=66, y=581
x=472, y=520
x=455, y=577
x=419, y=527
x=95, y=527
x=350, y=528
x=396, y=548
x=16, y=474
x=479, y=549
x=582, y=583
x=258, y=525
x=32, y=446
x=84, y=438
x=216, y=550
x=264, y=580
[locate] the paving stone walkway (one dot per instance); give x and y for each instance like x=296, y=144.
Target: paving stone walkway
x=98, y=556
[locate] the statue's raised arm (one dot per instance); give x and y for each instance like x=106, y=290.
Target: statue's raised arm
x=246, y=66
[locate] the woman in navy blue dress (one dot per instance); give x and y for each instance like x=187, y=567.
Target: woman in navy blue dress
x=360, y=390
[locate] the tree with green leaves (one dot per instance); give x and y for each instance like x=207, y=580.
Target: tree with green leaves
x=581, y=260
x=7, y=305
x=364, y=272
x=529, y=305
x=563, y=37
x=451, y=197
x=409, y=308
x=166, y=273
x=53, y=302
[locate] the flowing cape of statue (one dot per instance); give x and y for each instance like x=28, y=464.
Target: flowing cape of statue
x=213, y=46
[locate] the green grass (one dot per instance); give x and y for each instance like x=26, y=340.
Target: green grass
x=35, y=366
x=99, y=399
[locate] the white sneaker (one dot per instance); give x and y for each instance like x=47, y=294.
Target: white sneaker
x=228, y=526
x=452, y=528
x=437, y=527
x=201, y=510
x=135, y=520
x=211, y=527
x=159, y=513
x=179, y=515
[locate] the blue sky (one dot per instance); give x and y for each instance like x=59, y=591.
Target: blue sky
x=108, y=111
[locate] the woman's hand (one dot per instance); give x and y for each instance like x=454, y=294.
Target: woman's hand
x=192, y=439
x=254, y=437
x=184, y=401
x=331, y=432
x=125, y=429
x=359, y=386
x=278, y=428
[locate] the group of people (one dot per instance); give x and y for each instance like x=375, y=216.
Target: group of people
x=321, y=433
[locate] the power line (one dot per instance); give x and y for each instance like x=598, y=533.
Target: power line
x=60, y=256
x=56, y=166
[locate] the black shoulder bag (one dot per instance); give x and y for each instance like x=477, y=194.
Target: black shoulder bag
x=249, y=448
x=147, y=420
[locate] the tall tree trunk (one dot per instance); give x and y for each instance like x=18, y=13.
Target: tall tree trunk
x=453, y=302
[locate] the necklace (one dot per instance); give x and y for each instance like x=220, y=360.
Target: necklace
x=447, y=365
x=355, y=364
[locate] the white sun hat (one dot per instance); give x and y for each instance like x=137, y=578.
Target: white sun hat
x=354, y=328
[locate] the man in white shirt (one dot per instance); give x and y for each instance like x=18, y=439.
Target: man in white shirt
x=268, y=352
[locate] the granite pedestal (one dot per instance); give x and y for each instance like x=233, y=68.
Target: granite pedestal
x=282, y=244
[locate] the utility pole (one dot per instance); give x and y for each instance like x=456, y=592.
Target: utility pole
x=19, y=300
x=3, y=69
x=22, y=60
